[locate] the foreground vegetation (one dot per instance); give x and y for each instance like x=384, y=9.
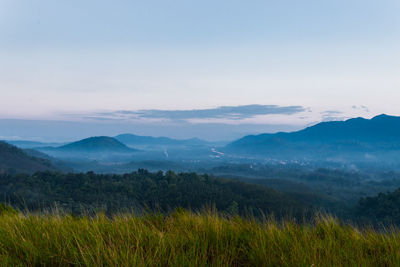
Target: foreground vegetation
x=188, y=239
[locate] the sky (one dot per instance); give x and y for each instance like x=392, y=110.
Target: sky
x=212, y=69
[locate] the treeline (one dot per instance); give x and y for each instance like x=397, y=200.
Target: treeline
x=341, y=185
x=141, y=190
x=382, y=209
x=82, y=193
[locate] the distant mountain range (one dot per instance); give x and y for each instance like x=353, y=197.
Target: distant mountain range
x=137, y=140
x=378, y=135
x=376, y=139
x=13, y=159
x=130, y=140
x=121, y=148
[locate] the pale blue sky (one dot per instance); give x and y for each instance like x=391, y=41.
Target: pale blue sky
x=85, y=58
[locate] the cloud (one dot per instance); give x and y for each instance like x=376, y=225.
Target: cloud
x=333, y=115
x=363, y=108
x=221, y=113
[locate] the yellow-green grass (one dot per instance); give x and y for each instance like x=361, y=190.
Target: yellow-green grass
x=189, y=239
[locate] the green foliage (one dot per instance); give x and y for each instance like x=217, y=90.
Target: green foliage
x=78, y=193
x=382, y=209
x=233, y=208
x=89, y=193
x=5, y=209
x=188, y=239
x=327, y=186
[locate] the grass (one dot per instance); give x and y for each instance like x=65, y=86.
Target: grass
x=189, y=239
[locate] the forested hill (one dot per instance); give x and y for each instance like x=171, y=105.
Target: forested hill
x=13, y=159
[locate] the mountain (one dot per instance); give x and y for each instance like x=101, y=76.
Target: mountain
x=380, y=134
x=106, y=149
x=96, y=144
x=13, y=159
x=137, y=140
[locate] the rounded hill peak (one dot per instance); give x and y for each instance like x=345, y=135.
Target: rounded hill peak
x=97, y=143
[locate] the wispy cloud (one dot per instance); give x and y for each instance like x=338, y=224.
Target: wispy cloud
x=363, y=108
x=333, y=115
x=220, y=113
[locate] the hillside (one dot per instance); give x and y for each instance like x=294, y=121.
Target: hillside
x=380, y=134
x=13, y=159
x=96, y=144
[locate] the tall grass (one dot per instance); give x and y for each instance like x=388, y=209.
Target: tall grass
x=189, y=239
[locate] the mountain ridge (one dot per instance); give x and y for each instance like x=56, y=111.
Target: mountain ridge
x=357, y=134
x=133, y=139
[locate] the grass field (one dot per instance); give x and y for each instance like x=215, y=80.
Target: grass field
x=188, y=239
